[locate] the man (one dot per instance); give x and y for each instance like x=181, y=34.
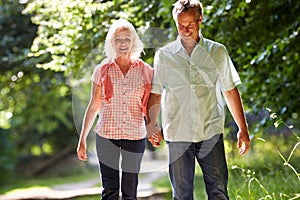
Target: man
x=192, y=77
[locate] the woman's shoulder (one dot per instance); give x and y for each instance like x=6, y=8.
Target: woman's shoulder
x=144, y=64
x=104, y=64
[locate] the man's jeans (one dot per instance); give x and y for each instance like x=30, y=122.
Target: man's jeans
x=211, y=157
x=109, y=152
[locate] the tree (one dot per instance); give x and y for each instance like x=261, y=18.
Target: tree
x=49, y=49
x=262, y=38
x=29, y=124
x=40, y=64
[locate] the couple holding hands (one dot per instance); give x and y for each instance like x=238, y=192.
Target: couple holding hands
x=191, y=82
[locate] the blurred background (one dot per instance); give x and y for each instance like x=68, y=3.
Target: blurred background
x=48, y=50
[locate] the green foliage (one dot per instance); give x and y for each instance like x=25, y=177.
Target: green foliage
x=287, y=161
x=262, y=38
x=8, y=158
x=285, y=172
x=69, y=30
x=35, y=104
x=49, y=46
x=15, y=41
x=252, y=184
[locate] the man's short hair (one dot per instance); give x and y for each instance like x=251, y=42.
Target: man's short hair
x=182, y=6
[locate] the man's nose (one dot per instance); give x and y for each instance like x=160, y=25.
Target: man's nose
x=186, y=30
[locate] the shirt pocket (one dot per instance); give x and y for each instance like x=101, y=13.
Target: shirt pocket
x=205, y=76
x=136, y=90
x=176, y=77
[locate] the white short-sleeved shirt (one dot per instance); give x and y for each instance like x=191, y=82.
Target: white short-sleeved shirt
x=192, y=104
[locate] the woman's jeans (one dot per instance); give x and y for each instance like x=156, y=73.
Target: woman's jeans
x=109, y=152
x=211, y=157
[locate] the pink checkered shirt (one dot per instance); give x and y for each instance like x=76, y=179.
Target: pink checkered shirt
x=121, y=115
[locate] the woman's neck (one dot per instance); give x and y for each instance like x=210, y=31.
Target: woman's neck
x=124, y=63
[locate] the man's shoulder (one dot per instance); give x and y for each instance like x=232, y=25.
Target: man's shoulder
x=211, y=44
x=169, y=46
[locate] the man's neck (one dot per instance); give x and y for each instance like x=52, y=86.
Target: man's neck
x=189, y=46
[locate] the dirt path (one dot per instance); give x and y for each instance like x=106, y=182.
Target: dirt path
x=151, y=170
x=85, y=188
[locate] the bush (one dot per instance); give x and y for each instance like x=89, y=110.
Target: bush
x=8, y=157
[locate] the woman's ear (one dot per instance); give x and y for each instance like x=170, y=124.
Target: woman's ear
x=133, y=43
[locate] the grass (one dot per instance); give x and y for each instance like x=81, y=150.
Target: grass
x=48, y=181
x=275, y=183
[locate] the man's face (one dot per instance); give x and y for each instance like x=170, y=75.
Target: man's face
x=188, y=26
x=122, y=41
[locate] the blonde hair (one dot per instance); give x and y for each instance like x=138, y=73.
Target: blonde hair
x=138, y=45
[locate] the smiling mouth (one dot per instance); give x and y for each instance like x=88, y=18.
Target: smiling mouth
x=123, y=49
x=186, y=36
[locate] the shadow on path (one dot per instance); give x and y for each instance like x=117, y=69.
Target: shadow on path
x=146, y=191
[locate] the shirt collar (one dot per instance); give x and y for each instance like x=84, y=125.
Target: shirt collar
x=179, y=47
x=135, y=63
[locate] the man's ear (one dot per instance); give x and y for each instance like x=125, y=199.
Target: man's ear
x=200, y=19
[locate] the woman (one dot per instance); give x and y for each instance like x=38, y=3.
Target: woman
x=120, y=91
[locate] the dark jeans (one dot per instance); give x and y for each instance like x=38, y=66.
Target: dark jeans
x=211, y=157
x=109, y=152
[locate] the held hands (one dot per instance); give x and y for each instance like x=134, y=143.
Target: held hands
x=243, y=142
x=81, y=150
x=154, y=134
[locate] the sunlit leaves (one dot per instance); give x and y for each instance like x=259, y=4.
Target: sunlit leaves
x=262, y=38
x=66, y=31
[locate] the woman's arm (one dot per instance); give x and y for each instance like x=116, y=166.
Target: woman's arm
x=89, y=117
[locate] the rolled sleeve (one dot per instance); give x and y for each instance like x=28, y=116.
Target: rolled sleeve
x=228, y=73
x=157, y=81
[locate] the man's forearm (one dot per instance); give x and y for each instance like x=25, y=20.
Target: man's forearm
x=235, y=106
x=153, y=108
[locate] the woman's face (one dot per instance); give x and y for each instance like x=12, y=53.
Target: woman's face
x=122, y=41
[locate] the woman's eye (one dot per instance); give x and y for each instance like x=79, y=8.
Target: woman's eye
x=120, y=40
